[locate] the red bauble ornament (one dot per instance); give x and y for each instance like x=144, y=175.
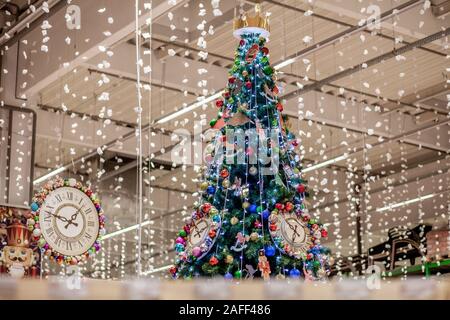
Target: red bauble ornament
x=206, y=207
x=248, y=85
x=275, y=91
x=226, y=94
x=301, y=188
x=231, y=80
x=88, y=192
x=279, y=206
x=212, y=234
x=265, y=50
x=279, y=107
x=213, y=261
x=309, y=256
x=173, y=270
x=289, y=206
x=273, y=227
x=187, y=229
x=224, y=173
x=219, y=103
x=324, y=233
x=242, y=42
x=295, y=142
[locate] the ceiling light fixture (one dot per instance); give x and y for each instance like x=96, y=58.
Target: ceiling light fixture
x=284, y=63
x=49, y=175
x=191, y=107
x=325, y=163
x=405, y=203
x=124, y=230
x=158, y=269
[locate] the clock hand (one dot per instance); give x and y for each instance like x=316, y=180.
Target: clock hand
x=199, y=231
x=73, y=217
x=63, y=219
x=292, y=228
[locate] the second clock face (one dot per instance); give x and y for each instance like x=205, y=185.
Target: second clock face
x=69, y=221
x=293, y=231
x=199, y=232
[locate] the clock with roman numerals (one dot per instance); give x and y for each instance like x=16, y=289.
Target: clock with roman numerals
x=69, y=220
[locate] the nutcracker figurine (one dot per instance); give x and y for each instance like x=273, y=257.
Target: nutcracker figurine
x=263, y=265
x=17, y=255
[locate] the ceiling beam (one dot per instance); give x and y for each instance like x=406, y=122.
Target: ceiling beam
x=345, y=24
x=369, y=63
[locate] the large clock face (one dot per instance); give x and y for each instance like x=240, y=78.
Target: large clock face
x=293, y=231
x=69, y=221
x=198, y=232
x=290, y=234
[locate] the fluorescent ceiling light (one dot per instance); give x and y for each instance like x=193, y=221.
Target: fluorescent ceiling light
x=190, y=107
x=405, y=203
x=325, y=163
x=284, y=63
x=49, y=175
x=158, y=269
x=124, y=230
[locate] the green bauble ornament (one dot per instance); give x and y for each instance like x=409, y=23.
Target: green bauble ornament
x=316, y=264
x=259, y=209
x=213, y=122
x=268, y=70
x=238, y=274
x=264, y=59
x=182, y=233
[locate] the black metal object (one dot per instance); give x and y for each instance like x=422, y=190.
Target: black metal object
x=403, y=243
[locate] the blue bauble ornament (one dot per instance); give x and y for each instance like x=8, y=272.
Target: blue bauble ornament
x=228, y=276
x=269, y=251
x=179, y=247
x=216, y=218
x=252, y=208
x=294, y=273
x=34, y=206
x=265, y=214
x=211, y=190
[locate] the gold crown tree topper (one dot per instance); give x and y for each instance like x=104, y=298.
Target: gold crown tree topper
x=258, y=23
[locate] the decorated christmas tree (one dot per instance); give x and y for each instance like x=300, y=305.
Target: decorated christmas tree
x=251, y=219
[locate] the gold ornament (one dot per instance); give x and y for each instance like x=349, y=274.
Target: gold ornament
x=234, y=220
x=257, y=21
x=254, y=236
x=280, y=276
x=229, y=259
x=204, y=185
x=226, y=183
x=245, y=205
x=245, y=192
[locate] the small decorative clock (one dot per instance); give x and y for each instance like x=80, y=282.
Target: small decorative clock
x=68, y=220
x=290, y=234
x=200, y=232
